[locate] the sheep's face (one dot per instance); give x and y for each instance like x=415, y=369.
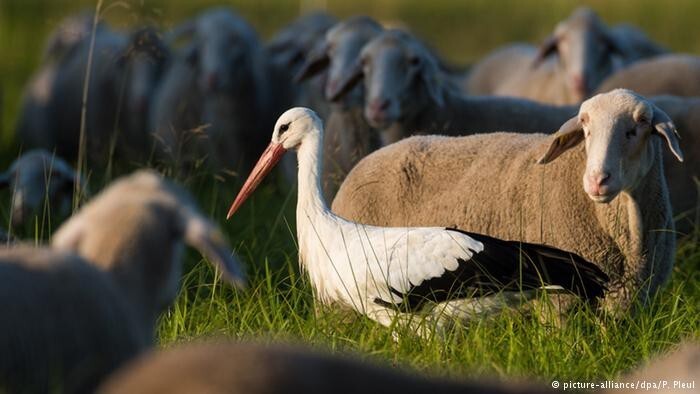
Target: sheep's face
x=289, y=48
x=144, y=61
x=38, y=178
x=338, y=53
x=400, y=78
x=585, y=50
x=224, y=50
x=343, y=46
x=617, y=148
x=619, y=130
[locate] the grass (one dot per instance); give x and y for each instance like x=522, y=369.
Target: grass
x=279, y=305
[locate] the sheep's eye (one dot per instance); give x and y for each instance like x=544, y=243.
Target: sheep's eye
x=284, y=128
x=631, y=133
x=415, y=61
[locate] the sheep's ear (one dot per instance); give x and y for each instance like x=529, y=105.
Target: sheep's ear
x=435, y=88
x=663, y=126
x=346, y=84
x=548, y=47
x=69, y=235
x=316, y=61
x=202, y=235
x=617, y=46
x=569, y=135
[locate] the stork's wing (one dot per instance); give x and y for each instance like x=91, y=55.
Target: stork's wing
x=435, y=264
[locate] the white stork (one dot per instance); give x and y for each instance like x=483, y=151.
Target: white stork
x=387, y=273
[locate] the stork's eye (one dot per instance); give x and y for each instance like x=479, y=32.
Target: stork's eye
x=284, y=128
x=631, y=133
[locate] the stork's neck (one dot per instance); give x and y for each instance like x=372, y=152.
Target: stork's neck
x=310, y=202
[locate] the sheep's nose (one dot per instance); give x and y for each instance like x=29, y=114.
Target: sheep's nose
x=579, y=83
x=600, y=177
x=598, y=182
x=379, y=105
x=331, y=88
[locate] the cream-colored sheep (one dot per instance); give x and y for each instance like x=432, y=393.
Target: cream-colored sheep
x=492, y=184
x=78, y=318
x=675, y=373
x=674, y=74
x=135, y=230
x=238, y=368
x=233, y=368
x=567, y=67
x=683, y=177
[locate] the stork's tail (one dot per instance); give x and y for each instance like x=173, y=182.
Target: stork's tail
x=543, y=266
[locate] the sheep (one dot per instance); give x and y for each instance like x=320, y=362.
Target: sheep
x=287, y=53
x=216, y=367
x=348, y=135
x=674, y=74
x=673, y=373
x=586, y=52
x=38, y=178
x=34, y=121
x=491, y=184
x=121, y=277
x=66, y=325
x=123, y=74
x=227, y=367
x=149, y=219
x=406, y=93
x=214, y=91
x=683, y=177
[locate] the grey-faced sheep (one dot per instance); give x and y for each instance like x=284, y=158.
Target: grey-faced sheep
x=149, y=219
x=287, y=52
x=492, y=184
x=349, y=137
x=674, y=74
x=238, y=368
x=406, y=93
x=214, y=95
x=568, y=66
x=39, y=180
x=123, y=74
x=78, y=318
x=34, y=121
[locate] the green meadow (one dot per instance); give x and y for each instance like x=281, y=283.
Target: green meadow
x=279, y=305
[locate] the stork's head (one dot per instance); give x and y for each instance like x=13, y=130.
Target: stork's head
x=293, y=126
x=290, y=131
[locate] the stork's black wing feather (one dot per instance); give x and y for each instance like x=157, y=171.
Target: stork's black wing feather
x=506, y=266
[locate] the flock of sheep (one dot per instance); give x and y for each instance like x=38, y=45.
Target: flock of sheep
x=204, y=96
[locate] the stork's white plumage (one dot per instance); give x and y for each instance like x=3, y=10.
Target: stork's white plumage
x=391, y=272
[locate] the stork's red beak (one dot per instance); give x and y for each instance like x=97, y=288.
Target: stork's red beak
x=267, y=161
